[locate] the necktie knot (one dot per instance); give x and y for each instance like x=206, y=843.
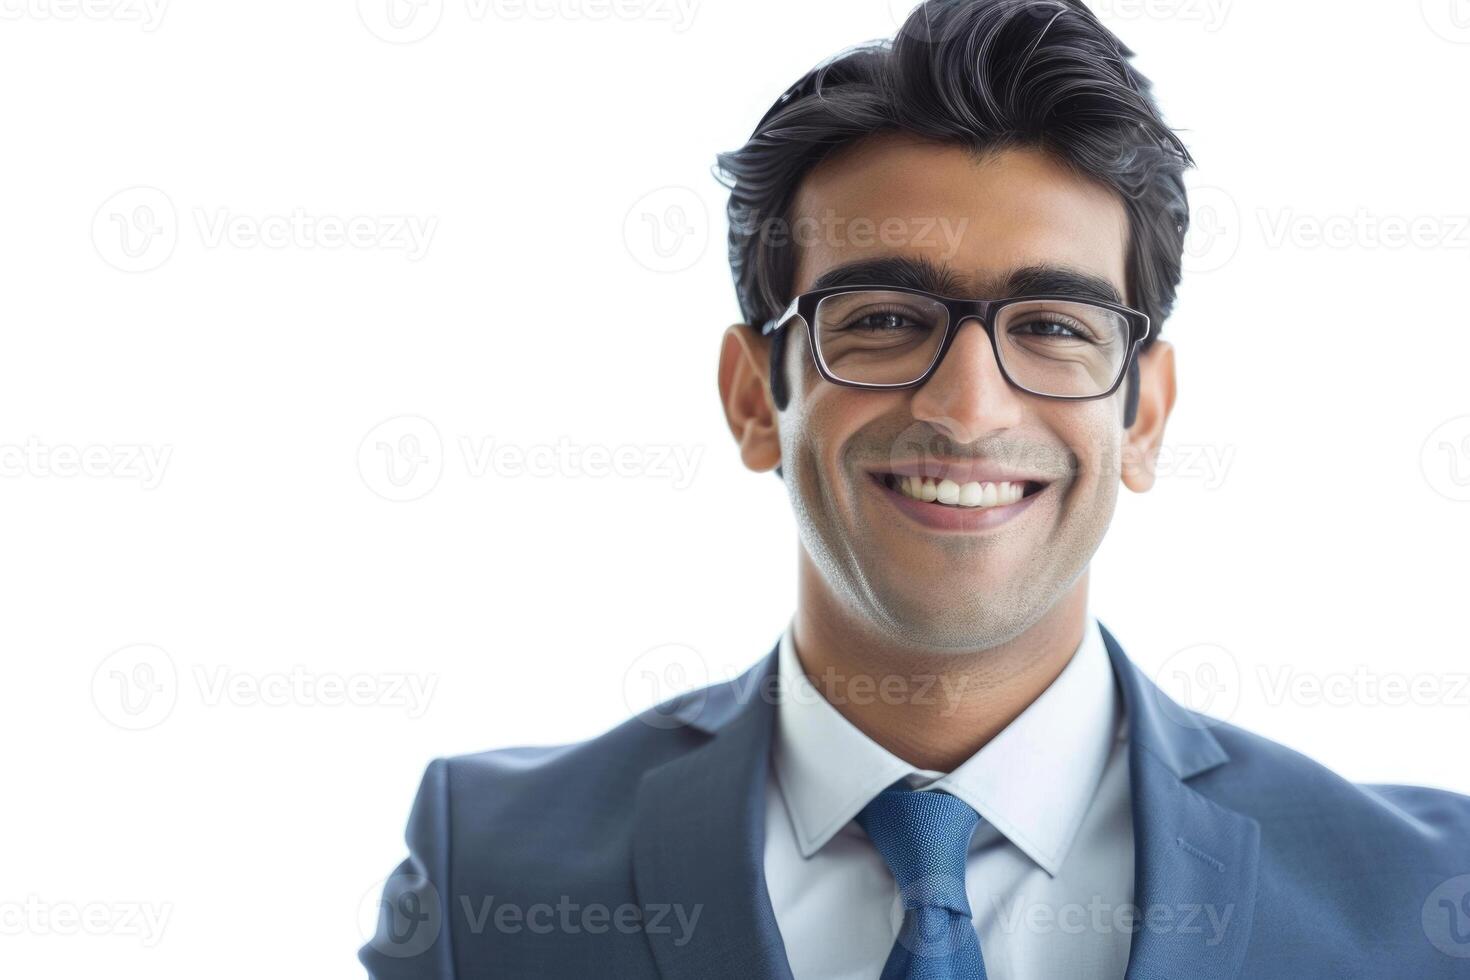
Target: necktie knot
x=924, y=837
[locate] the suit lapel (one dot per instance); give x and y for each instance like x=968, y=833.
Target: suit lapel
x=699, y=838
x=1195, y=861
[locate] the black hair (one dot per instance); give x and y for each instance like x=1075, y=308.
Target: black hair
x=985, y=74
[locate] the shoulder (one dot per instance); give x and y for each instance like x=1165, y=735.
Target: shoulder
x=606, y=768
x=1311, y=815
x=1273, y=779
x=1388, y=864
x=560, y=787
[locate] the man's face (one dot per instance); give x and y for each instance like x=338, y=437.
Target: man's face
x=985, y=227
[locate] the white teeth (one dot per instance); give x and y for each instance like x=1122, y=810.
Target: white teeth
x=953, y=494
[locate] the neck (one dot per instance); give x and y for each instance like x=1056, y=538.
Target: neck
x=931, y=709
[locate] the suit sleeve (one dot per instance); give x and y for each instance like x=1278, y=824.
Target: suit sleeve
x=412, y=940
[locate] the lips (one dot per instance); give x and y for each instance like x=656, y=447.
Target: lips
x=962, y=472
x=951, y=494
x=946, y=505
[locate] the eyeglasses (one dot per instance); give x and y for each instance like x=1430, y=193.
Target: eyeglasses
x=883, y=337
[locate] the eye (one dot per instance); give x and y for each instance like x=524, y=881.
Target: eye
x=1052, y=326
x=883, y=321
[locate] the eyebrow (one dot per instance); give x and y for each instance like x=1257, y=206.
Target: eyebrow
x=925, y=274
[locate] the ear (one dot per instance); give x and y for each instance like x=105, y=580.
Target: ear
x=1142, y=440
x=745, y=393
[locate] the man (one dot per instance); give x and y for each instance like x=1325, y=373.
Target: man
x=954, y=254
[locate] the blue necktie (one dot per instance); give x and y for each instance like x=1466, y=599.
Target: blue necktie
x=924, y=837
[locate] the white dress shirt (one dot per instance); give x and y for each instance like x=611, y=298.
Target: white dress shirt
x=1050, y=869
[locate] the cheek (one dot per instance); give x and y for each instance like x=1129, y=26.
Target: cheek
x=816, y=430
x=823, y=436
x=801, y=372
x=1095, y=439
x=815, y=415
x=1089, y=434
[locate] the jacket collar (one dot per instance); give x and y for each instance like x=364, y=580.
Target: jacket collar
x=1178, y=738
x=828, y=769
x=1194, y=861
x=699, y=836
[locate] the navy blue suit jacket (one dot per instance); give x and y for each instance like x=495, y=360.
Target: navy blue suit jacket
x=639, y=854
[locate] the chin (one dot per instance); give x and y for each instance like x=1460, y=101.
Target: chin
x=934, y=619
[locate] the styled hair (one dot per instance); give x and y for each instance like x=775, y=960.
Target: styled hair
x=984, y=74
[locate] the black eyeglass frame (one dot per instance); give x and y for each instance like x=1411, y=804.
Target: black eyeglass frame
x=959, y=310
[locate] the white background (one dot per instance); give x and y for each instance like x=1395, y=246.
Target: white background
x=1311, y=526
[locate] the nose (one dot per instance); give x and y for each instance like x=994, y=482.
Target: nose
x=968, y=396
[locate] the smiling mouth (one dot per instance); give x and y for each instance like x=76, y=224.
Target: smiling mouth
x=975, y=495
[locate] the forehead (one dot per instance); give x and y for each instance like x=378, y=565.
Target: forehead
x=980, y=217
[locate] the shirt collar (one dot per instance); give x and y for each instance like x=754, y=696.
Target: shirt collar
x=1033, y=781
